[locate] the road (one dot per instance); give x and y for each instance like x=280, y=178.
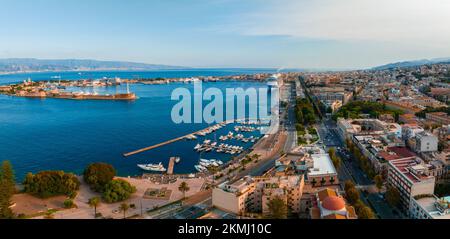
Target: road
x=351, y=171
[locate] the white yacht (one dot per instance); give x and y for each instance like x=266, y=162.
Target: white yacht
x=152, y=167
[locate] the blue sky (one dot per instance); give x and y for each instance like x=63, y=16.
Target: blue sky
x=228, y=33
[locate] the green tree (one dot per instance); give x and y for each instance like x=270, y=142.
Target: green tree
x=5, y=201
x=7, y=190
x=366, y=213
x=348, y=185
x=184, y=187
x=332, y=152
x=118, y=190
x=68, y=203
x=313, y=182
x=97, y=175
x=7, y=174
x=352, y=195
x=51, y=183
x=94, y=203
x=124, y=208
x=379, y=182
x=277, y=209
x=392, y=196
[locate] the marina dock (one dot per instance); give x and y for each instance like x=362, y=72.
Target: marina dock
x=188, y=136
x=167, y=142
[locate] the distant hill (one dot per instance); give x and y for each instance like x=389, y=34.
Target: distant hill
x=30, y=65
x=412, y=63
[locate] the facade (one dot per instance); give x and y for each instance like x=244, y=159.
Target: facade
x=438, y=117
x=426, y=142
x=253, y=194
x=347, y=128
x=235, y=197
x=408, y=118
x=410, y=178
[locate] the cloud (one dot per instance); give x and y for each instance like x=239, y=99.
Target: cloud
x=412, y=22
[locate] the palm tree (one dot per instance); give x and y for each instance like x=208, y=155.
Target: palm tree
x=124, y=208
x=256, y=157
x=332, y=180
x=313, y=182
x=94, y=202
x=184, y=187
x=322, y=181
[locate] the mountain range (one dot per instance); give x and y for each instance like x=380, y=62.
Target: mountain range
x=13, y=65
x=412, y=63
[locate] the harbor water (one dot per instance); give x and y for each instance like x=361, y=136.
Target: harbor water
x=58, y=134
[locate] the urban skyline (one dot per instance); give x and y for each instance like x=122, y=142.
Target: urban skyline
x=275, y=34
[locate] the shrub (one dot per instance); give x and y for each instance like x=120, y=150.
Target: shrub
x=118, y=190
x=97, y=175
x=68, y=203
x=51, y=183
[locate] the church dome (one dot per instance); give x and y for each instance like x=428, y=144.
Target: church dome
x=333, y=203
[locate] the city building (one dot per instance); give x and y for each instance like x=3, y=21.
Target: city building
x=235, y=197
x=429, y=207
x=328, y=204
x=438, y=117
x=347, y=128
x=253, y=194
x=411, y=178
x=408, y=119
x=426, y=142
x=322, y=172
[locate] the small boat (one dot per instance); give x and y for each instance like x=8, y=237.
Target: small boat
x=200, y=168
x=198, y=146
x=204, y=160
x=204, y=164
x=177, y=159
x=152, y=167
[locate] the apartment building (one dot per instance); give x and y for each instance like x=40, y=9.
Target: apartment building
x=253, y=194
x=426, y=142
x=411, y=178
x=429, y=207
x=438, y=117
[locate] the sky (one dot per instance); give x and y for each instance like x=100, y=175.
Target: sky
x=332, y=34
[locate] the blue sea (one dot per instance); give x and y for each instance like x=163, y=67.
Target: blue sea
x=57, y=134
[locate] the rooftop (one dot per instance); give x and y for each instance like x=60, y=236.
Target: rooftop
x=322, y=165
x=407, y=167
x=438, y=208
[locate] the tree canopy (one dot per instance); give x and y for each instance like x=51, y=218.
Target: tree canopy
x=51, y=183
x=355, y=108
x=118, y=190
x=277, y=209
x=97, y=175
x=7, y=189
x=392, y=196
